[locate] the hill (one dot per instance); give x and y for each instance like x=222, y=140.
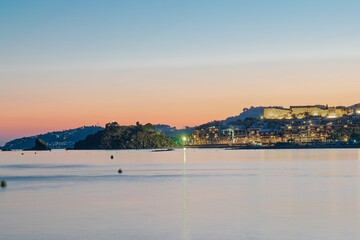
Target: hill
x=126, y=137
x=257, y=112
x=252, y=112
x=356, y=108
x=55, y=140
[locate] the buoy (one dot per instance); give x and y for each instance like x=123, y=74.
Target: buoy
x=120, y=171
x=112, y=156
x=3, y=183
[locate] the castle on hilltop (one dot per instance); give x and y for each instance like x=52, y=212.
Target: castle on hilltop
x=308, y=111
x=295, y=112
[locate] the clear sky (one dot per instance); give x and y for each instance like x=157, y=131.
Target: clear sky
x=64, y=64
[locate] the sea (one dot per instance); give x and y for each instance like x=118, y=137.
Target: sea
x=181, y=194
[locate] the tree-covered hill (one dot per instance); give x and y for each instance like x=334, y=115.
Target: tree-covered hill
x=126, y=137
x=55, y=140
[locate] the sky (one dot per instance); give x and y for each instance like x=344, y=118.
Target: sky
x=66, y=64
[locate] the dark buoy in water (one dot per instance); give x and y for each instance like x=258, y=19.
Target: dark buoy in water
x=112, y=157
x=3, y=183
x=120, y=171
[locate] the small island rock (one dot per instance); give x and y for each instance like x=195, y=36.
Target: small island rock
x=40, y=145
x=3, y=183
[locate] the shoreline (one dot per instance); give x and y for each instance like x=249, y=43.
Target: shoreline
x=211, y=146
x=230, y=147
x=298, y=147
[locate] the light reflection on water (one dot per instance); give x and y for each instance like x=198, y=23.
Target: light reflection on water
x=185, y=201
x=182, y=194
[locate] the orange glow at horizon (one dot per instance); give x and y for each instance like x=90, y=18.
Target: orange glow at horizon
x=34, y=102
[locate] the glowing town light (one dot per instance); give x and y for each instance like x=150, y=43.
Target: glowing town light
x=184, y=138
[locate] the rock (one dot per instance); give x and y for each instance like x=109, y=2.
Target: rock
x=3, y=183
x=40, y=145
x=120, y=171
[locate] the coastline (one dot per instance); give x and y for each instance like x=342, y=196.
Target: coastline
x=209, y=146
x=229, y=147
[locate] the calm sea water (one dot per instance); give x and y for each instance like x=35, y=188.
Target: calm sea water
x=183, y=194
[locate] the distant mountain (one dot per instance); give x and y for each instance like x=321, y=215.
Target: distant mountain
x=173, y=131
x=55, y=140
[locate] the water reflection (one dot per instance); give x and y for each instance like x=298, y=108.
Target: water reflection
x=211, y=194
x=358, y=188
x=185, y=162
x=185, y=200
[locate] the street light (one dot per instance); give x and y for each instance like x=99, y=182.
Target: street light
x=184, y=139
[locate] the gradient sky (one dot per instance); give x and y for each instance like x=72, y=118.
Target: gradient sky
x=64, y=64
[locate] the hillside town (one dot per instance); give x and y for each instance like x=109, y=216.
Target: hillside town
x=274, y=126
